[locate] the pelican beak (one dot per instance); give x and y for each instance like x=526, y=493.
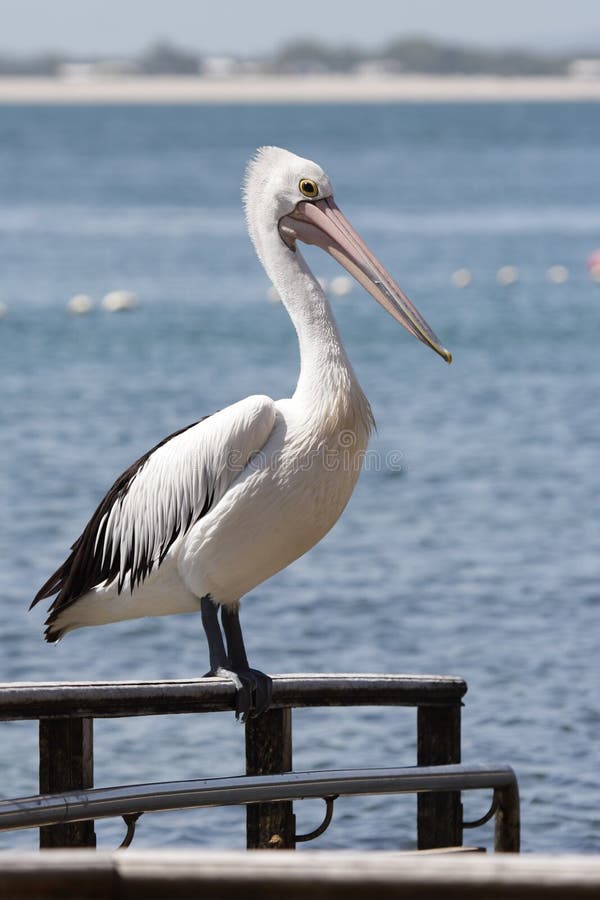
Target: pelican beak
x=322, y=223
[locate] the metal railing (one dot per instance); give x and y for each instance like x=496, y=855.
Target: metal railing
x=66, y=712
x=132, y=801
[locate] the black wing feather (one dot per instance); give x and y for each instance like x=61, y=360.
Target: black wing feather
x=87, y=566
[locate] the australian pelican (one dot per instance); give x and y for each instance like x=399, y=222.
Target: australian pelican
x=218, y=507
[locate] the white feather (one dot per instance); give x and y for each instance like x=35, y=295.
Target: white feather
x=166, y=493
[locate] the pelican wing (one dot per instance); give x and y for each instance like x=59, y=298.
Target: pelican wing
x=158, y=499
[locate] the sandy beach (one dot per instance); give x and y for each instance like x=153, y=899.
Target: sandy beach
x=305, y=89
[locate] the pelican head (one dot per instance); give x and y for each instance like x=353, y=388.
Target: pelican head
x=293, y=197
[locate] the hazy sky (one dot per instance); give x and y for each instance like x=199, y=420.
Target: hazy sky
x=122, y=26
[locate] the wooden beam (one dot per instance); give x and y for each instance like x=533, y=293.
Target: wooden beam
x=97, y=699
x=439, y=816
x=507, y=827
x=66, y=748
x=317, y=875
x=270, y=826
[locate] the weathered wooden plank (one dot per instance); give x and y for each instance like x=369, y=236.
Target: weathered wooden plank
x=318, y=875
x=60, y=875
x=66, y=748
x=270, y=826
x=20, y=701
x=368, y=690
x=439, y=816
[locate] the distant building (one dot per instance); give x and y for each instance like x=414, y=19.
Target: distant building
x=220, y=66
x=230, y=66
x=79, y=71
x=373, y=68
x=88, y=71
x=584, y=69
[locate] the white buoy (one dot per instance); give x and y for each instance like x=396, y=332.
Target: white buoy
x=507, y=275
x=3, y=310
x=272, y=294
x=118, y=301
x=80, y=304
x=557, y=274
x=462, y=278
x=340, y=286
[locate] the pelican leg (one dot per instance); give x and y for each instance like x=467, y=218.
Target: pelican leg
x=212, y=629
x=255, y=694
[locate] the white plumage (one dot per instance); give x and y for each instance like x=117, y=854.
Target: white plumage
x=219, y=507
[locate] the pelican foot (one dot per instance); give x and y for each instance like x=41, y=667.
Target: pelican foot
x=254, y=691
x=254, y=696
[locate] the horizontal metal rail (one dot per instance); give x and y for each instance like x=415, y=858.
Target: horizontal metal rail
x=27, y=700
x=99, y=803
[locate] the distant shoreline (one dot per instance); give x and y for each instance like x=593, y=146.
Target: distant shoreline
x=297, y=89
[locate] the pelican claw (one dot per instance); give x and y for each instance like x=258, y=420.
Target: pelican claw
x=254, y=691
x=254, y=696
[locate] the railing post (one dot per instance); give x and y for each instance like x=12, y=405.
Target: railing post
x=269, y=752
x=66, y=763
x=439, y=815
x=507, y=831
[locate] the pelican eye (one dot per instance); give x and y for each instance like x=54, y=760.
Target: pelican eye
x=308, y=187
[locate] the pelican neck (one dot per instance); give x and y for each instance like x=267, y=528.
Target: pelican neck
x=324, y=363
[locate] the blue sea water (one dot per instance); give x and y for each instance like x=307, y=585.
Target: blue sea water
x=476, y=556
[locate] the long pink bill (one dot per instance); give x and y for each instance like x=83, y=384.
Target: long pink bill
x=322, y=223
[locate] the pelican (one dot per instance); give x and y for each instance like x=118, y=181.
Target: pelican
x=218, y=507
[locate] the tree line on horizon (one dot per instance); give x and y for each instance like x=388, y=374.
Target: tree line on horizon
x=304, y=56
